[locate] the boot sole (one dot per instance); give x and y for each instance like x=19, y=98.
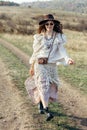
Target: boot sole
x=49, y=118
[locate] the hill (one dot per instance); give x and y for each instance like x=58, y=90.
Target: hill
x=7, y=3
x=79, y=6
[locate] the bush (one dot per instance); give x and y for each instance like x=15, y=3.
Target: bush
x=24, y=30
x=4, y=17
x=81, y=26
x=23, y=22
x=1, y=27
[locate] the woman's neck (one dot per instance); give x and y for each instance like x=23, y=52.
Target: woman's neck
x=48, y=33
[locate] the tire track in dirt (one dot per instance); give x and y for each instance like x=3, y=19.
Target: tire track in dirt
x=73, y=101
x=14, y=113
x=20, y=54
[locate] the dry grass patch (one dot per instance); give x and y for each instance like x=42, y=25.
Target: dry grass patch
x=77, y=41
x=24, y=20
x=76, y=75
x=23, y=42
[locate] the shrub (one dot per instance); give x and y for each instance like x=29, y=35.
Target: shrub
x=23, y=22
x=4, y=17
x=24, y=30
x=1, y=27
x=81, y=26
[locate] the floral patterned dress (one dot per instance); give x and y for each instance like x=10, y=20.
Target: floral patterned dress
x=44, y=84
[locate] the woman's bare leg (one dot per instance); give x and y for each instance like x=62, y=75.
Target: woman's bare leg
x=44, y=102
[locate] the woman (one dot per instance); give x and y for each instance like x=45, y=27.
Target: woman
x=48, y=51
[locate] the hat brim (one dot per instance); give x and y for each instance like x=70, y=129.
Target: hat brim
x=44, y=21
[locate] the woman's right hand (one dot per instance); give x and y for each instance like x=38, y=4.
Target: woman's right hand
x=31, y=71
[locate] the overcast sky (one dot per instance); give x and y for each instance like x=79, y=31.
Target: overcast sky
x=20, y=1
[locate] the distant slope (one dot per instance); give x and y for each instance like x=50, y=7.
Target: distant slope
x=8, y=3
x=66, y=5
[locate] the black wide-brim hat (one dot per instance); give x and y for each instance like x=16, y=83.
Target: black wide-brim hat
x=48, y=17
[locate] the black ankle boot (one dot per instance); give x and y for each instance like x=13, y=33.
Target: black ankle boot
x=40, y=106
x=49, y=114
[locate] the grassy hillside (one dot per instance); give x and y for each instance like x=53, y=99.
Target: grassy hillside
x=25, y=20
x=8, y=3
x=65, y=5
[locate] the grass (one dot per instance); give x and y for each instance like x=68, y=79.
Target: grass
x=23, y=42
x=18, y=70
x=25, y=20
x=76, y=46
x=76, y=74
x=19, y=73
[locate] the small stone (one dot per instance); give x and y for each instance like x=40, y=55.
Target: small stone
x=1, y=117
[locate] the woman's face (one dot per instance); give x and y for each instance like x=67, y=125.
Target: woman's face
x=49, y=26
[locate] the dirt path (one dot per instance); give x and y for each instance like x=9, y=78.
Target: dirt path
x=73, y=101
x=20, y=54
x=13, y=111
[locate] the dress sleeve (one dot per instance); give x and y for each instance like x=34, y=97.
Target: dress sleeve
x=36, y=47
x=62, y=38
x=63, y=53
x=62, y=50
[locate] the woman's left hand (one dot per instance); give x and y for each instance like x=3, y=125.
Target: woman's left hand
x=70, y=62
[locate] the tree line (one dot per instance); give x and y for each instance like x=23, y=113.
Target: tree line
x=8, y=3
